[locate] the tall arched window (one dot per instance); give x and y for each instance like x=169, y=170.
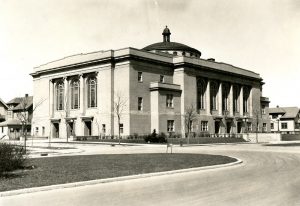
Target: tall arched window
x=60, y=96
x=225, y=94
x=92, y=92
x=201, y=94
x=213, y=95
x=75, y=86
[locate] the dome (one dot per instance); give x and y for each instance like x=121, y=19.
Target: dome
x=172, y=47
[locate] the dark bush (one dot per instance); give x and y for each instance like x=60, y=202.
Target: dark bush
x=156, y=138
x=12, y=157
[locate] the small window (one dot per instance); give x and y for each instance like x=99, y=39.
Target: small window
x=204, y=125
x=103, y=128
x=43, y=131
x=169, y=100
x=263, y=110
x=36, y=131
x=121, y=127
x=272, y=125
x=140, y=103
x=283, y=125
x=140, y=76
x=162, y=79
x=2, y=129
x=170, y=125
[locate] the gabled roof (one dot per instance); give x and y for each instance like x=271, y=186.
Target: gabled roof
x=27, y=103
x=10, y=122
x=288, y=112
x=5, y=105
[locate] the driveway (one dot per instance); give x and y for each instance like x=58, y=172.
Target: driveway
x=268, y=176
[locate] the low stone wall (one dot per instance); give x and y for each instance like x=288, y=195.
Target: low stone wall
x=262, y=137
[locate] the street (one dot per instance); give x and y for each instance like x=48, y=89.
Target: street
x=268, y=176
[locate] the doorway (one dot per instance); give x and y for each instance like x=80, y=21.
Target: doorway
x=239, y=127
x=87, y=128
x=55, y=130
x=217, y=127
x=228, y=127
x=70, y=129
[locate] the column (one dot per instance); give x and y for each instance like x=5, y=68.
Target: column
x=230, y=103
x=250, y=102
x=241, y=98
x=220, y=99
x=66, y=103
x=207, y=94
x=51, y=98
x=82, y=95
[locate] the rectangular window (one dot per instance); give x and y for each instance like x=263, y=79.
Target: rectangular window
x=263, y=110
x=204, y=125
x=140, y=76
x=2, y=129
x=140, y=103
x=162, y=79
x=121, y=127
x=272, y=125
x=170, y=124
x=103, y=128
x=43, y=131
x=36, y=131
x=284, y=125
x=170, y=100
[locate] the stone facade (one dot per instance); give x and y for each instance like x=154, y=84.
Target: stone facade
x=156, y=88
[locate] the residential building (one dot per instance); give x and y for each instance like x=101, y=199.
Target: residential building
x=19, y=116
x=155, y=85
x=285, y=120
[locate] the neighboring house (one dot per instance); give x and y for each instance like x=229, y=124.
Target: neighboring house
x=3, y=110
x=19, y=110
x=157, y=84
x=285, y=119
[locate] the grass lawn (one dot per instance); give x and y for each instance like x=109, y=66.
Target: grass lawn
x=59, y=170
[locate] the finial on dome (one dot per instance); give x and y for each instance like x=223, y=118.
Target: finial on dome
x=166, y=34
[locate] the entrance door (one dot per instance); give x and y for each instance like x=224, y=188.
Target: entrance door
x=88, y=128
x=55, y=130
x=70, y=129
x=228, y=126
x=217, y=127
x=239, y=127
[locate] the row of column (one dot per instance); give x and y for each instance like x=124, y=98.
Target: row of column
x=219, y=100
x=82, y=94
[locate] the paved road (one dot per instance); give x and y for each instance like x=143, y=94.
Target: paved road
x=268, y=176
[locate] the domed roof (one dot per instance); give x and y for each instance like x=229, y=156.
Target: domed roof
x=167, y=45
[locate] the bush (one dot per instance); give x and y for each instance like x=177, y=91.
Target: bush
x=156, y=138
x=12, y=157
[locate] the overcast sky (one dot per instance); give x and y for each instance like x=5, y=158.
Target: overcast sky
x=262, y=36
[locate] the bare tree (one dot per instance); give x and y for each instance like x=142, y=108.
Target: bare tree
x=25, y=108
x=190, y=114
x=257, y=115
x=120, y=104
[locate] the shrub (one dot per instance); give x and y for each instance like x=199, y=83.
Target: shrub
x=12, y=157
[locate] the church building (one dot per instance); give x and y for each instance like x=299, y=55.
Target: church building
x=139, y=90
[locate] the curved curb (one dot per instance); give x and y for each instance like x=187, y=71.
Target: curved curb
x=114, y=179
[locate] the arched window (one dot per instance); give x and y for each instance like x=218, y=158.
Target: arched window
x=213, y=95
x=75, y=86
x=201, y=86
x=92, y=92
x=60, y=96
x=225, y=94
